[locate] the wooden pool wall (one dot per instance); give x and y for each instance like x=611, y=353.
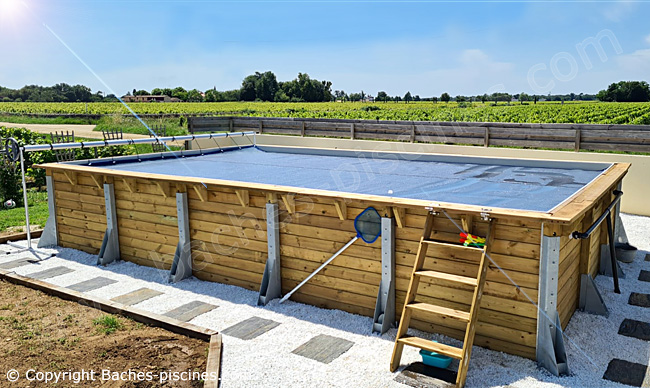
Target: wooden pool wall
x=229, y=245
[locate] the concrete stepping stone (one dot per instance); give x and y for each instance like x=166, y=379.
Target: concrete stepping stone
x=250, y=328
x=189, y=311
x=17, y=263
x=324, y=348
x=137, y=296
x=92, y=284
x=420, y=375
x=625, y=372
x=637, y=299
x=635, y=329
x=50, y=273
x=644, y=276
x=647, y=257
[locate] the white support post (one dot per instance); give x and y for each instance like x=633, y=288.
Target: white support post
x=384, y=317
x=182, y=265
x=110, y=250
x=50, y=236
x=271, y=287
x=551, y=353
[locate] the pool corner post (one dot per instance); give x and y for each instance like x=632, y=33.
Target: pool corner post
x=50, y=236
x=110, y=250
x=182, y=265
x=271, y=287
x=384, y=317
x=550, y=350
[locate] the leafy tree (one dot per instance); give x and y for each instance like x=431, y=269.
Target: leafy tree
x=382, y=96
x=179, y=93
x=355, y=97
x=434, y=99
x=141, y=93
x=626, y=91
x=523, y=97
x=194, y=96
x=407, y=97
x=417, y=98
x=445, y=97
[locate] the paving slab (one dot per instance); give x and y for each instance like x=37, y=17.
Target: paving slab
x=647, y=257
x=625, y=372
x=250, y=328
x=420, y=375
x=189, y=311
x=638, y=299
x=50, y=273
x=92, y=284
x=635, y=329
x=137, y=296
x=324, y=348
x=17, y=263
x=644, y=276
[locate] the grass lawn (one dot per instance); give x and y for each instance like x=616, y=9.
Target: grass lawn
x=38, y=212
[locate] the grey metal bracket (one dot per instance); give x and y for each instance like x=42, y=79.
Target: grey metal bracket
x=271, y=287
x=550, y=350
x=551, y=353
x=619, y=229
x=606, y=263
x=590, y=299
x=182, y=264
x=49, y=237
x=384, y=317
x=110, y=250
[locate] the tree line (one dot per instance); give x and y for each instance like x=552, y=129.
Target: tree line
x=265, y=87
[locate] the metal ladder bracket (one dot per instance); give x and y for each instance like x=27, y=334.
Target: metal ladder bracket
x=551, y=353
x=49, y=237
x=182, y=265
x=384, y=317
x=110, y=250
x=606, y=263
x=590, y=299
x=271, y=287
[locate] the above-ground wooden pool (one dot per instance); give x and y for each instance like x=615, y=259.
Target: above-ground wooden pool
x=264, y=218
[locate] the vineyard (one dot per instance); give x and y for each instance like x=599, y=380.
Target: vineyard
x=575, y=113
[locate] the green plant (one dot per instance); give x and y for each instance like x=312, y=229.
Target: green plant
x=108, y=324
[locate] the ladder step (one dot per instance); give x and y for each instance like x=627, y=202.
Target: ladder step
x=446, y=350
x=439, y=310
x=450, y=245
x=448, y=277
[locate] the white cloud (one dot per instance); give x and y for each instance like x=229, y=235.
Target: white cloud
x=619, y=10
x=636, y=64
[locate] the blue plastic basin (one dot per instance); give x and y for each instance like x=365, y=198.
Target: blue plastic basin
x=434, y=359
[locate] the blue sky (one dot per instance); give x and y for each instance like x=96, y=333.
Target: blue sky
x=425, y=47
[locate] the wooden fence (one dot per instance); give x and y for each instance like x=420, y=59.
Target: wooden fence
x=589, y=137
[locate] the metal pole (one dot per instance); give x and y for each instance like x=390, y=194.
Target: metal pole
x=22, y=172
x=612, y=254
x=319, y=268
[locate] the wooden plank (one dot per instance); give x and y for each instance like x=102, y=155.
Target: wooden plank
x=323, y=348
x=99, y=180
x=71, y=176
x=243, y=197
x=137, y=296
x=341, y=209
x=213, y=364
x=250, y=328
x=400, y=214
x=289, y=203
x=131, y=184
x=201, y=191
x=163, y=188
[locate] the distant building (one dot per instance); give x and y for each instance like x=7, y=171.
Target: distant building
x=147, y=98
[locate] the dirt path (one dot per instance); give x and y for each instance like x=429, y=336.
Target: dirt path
x=80, y=130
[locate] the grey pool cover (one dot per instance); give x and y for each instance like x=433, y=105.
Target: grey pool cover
x=488, y=185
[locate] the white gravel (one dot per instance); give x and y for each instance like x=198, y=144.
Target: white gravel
x=267, y=360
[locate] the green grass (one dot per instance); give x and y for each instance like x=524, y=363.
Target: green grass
x=38, y=212
x=107, y=324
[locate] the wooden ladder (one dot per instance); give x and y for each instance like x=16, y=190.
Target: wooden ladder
x=470, y=318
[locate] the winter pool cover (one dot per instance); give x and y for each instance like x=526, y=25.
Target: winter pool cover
x=529, y=186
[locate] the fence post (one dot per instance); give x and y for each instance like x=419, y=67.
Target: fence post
x=352, y=131
x=577, y=140
x=230, y=124
x=413, y=133
x=190, y=124
x=486, y=141
x=261, y=126
x=302, y=130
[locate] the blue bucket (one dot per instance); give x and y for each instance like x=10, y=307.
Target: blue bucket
x=434, y=359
